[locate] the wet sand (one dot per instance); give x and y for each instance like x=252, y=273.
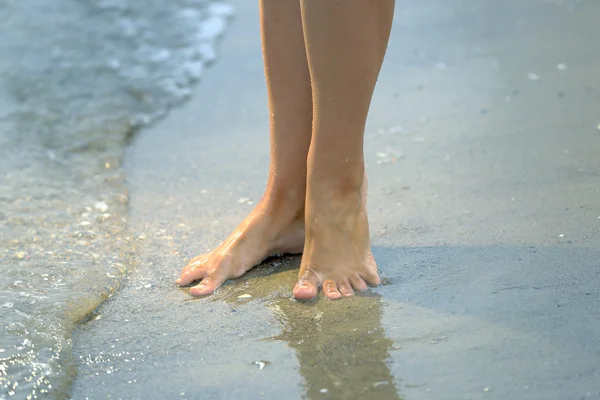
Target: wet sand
x=482, y=149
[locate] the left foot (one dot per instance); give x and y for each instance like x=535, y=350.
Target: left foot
x=337, y=250
x=269, y=230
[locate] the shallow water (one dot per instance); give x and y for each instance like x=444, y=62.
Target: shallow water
x=77, y=79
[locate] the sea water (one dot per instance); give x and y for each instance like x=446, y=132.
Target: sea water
x=77, y=79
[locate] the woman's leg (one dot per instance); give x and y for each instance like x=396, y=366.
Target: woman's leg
x=277, y=223
x=345, y=43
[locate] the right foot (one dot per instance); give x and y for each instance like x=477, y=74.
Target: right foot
x=266, y=232
x=337, y=255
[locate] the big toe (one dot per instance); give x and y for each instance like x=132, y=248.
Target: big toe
x=194, y=270
x=207, y=286
x=305, y=290
x=190, y=276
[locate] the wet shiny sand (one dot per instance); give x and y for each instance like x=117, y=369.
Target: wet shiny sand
x=482, y=148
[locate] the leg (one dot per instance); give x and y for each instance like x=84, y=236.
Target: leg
x=346, y=42
x=276, y=225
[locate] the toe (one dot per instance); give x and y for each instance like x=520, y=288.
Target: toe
x=346, y=289
x=191, y=275
x=358, y=283
x=193, y=271
x=330, y=290
x=372, y=278
x=370, y=274
x=207, y=286
x=307, y=287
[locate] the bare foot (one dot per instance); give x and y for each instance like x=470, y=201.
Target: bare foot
x=337, y=253
x=267, y=231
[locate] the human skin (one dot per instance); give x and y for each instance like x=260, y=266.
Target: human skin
x=322, y=59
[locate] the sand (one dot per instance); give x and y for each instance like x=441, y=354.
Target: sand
x=482, y=150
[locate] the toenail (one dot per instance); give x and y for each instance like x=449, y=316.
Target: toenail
x=200, y=286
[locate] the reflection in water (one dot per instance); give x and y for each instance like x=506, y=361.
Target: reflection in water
x=341, y=347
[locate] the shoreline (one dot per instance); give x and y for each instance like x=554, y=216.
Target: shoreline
x=66, y=247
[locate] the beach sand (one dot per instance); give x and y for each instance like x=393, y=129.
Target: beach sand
x=482, y=150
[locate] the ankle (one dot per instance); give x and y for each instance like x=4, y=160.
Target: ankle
x=334, y=174
x=284, y=201
x=335, y=187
